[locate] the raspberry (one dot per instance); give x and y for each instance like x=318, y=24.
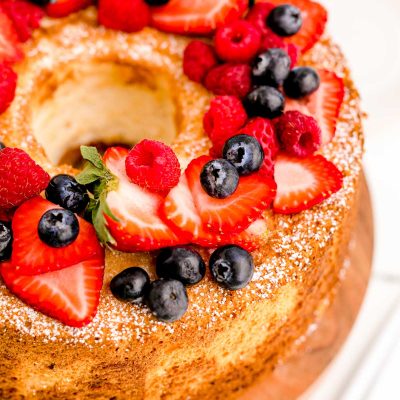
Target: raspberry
x=224, y=118
x=153, y=166
x=263, y=130
x=8, y=84
x=299, y=134
x=25, y=17
x=229, y=79
x=238, y=42
x=20, y=178
x=258, y=16
x=124, y=15
x=198, y=59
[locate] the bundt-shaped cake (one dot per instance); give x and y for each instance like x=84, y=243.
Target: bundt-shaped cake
x=260, y=206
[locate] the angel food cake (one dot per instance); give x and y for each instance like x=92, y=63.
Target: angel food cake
x=178, y=185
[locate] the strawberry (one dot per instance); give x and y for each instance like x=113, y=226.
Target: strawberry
x=324, y=104
x=180, y=213
x=197, y=16
x=304, y=182
x=32, y=256
x=136, y=225
x=20, y=178
x=235, y=213
x=62, y=8
x=314, y=16
x=8, y=86
x=24, y=15
x=70, y=295
x=10, y=50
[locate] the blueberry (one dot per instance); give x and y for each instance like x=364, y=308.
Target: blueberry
x=41, y=2
x=219, y=178
x=156, y=2
x=5, y=241
x=130, y=285
x=271, y=68
x=232, y=267
x=65, y=191
x=301, y=82
x=265, y=101
x=58, y=228
x=182, y=264
x=245, y=153
x=167, y=299
x=285, y=20
x=2, y=146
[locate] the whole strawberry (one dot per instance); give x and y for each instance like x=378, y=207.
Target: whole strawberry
x=20, y=178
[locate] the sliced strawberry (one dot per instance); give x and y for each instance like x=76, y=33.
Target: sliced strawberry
x=315, y=18
x=235, y=213
x=196, y=16
x=138, y=226
x=10, y=51
x=324, y=104
x=70, y=295
x=32, y=256
x=304, y=182
x=62, y=8
x=180, y=213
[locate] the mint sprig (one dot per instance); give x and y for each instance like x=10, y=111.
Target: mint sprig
x=102, y=181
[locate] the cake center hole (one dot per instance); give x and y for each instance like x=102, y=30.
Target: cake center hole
x=102, y=104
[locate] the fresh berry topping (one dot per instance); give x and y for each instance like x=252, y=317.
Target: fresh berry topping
x=130, y=285
x=10, y=51
x=229, y=79
x=272, y=41
x=5, y=241
x=253, y=195
x=62, y=8
x=271, y=68
x=197, y=16
x=245, y=153
x=224, y=118
x=219, y=178
x=264, y=101
x=258, y=16
x=182, y=264
x=8, y=85
x=198, y=59
x=237, y=42
x=157, y=2
x=58, y=228
x=264, y=131
x=40, y=2
x=2, y=146
x=65, y=191
x=299, y=134
x=293, y=53
x=304, y=182
x=285, y=20
x=133, y=225
x=70, y=295
x=124, y=15
x=232, y=267
x=324, y=104
x=25, y=17
x=154, y=166
x=33, y=256
x=20, y=177
x=167, y=299
x=301, y=82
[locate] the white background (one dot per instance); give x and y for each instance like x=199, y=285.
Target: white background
x=368, y=366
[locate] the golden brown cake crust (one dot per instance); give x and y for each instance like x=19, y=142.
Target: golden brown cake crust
x=226, y=338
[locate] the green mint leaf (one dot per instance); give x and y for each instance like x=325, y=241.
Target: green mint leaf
x=90, y=153
x=89, y=175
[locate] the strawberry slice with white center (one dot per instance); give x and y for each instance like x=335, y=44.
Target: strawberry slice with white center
x=70, y=295
x=180, y=213
x=234, y=214
x=315, y=18
x=32, y=256
x=10, y=51
x=304, y=182
x=138, y=226
x=196, y=16
x=324, y=104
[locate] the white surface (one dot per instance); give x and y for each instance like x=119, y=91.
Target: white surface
x=368, y=366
